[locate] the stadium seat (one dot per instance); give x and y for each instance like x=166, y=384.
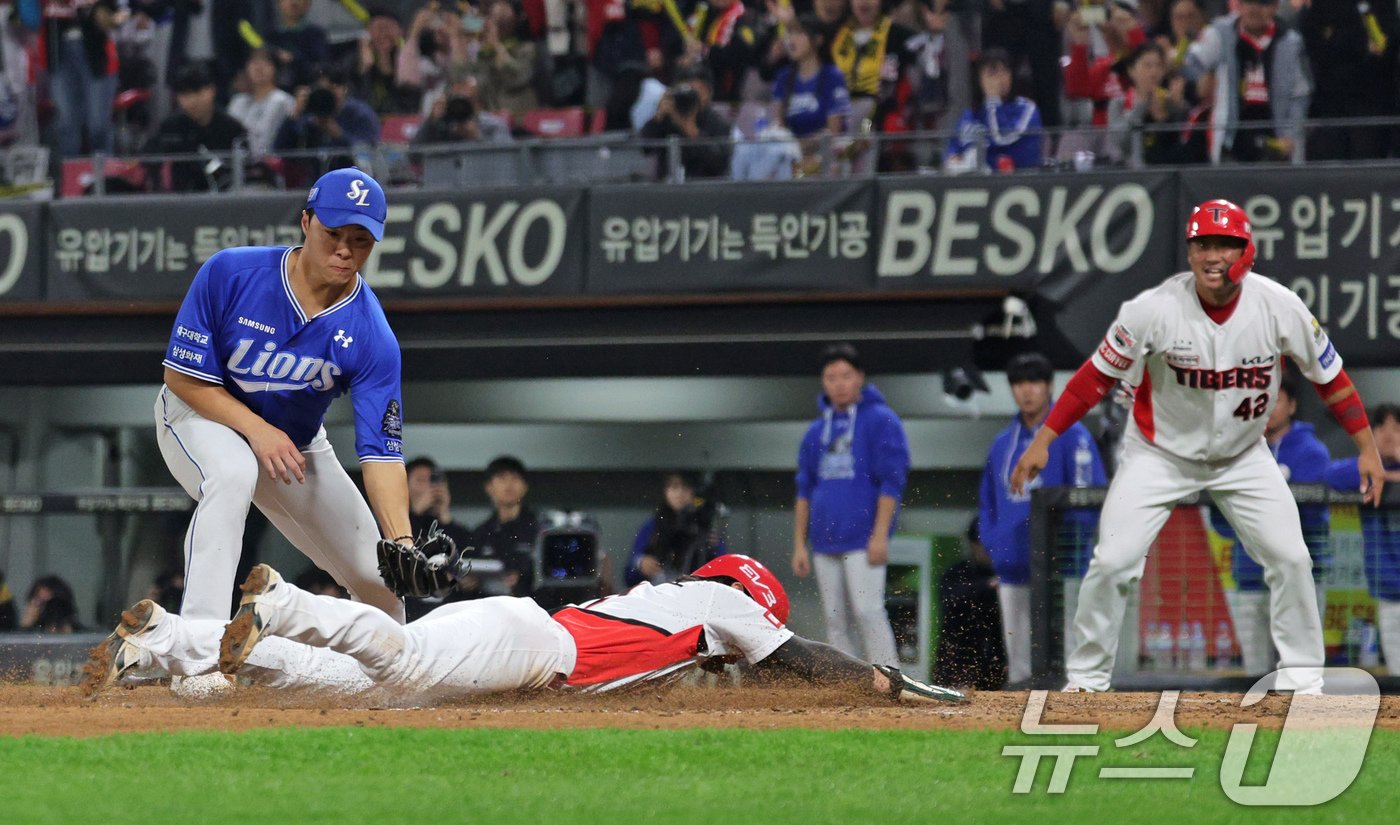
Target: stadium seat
x=554, y=123
x=78, y=175
x=598, y=121
x=399, y=128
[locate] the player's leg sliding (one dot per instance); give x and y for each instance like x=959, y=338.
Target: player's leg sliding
x=117, y=655
x=271, y=606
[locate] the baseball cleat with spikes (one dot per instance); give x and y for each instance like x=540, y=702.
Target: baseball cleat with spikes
x=243, y=633
x=118, y=655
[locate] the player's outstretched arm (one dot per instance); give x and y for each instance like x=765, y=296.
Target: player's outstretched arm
x=276, y=453
x=824, y=664
x=1344, y=402
x=386, y=487
x=1082, y=393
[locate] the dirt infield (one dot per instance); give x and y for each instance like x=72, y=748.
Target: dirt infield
x=54, y=711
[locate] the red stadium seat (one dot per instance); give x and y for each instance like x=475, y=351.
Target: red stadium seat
x=554, y=123
x=598, y=122
x=399, y=128
x=78, y=175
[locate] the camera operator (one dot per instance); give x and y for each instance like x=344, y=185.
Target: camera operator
x=199, y=126
x=685, y=531
x=501, y=546
x=685, y=111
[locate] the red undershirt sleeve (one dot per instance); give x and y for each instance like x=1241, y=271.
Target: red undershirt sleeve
x=1349, y=411
x=1083, y=392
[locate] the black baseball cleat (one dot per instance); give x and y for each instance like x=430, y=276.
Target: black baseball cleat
x=243, y=633
x=119, y=654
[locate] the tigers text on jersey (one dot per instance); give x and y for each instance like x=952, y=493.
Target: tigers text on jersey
x=652, y=631
x=241, y=326
x=1204, y=390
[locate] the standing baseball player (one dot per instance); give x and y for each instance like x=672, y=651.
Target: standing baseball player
x=1203, y=350
x=730, y=608
x=266, y=337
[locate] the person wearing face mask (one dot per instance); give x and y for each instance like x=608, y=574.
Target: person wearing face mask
x=851, y=471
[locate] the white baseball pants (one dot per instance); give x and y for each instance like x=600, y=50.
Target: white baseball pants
x=1249, y=611
x=1388, y=621
x=326, y=518
x=1015, y=600
x=853, y=594
x=190, y=647
x=479, y=646
x=1250, y=490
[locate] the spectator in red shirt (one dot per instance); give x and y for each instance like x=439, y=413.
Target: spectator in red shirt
x=1097, y=79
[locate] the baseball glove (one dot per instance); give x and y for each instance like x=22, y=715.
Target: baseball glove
x=429, y=568
x=906, y=689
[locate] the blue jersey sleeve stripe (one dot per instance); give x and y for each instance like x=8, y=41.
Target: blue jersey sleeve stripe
x=204, y=376
x=382, y=459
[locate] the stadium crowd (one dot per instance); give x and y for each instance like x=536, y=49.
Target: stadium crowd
x=1136, y=81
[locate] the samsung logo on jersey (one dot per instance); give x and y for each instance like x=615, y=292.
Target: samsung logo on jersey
x=300, y=371
x=182, y=331
x=260, y=327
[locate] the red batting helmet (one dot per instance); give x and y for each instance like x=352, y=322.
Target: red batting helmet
x=1221, y=217
x=758, y=581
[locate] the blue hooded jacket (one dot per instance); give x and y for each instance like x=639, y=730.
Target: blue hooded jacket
x=1004, y=518
x=1304, y=459
x=846, y=462
x=1380, y=532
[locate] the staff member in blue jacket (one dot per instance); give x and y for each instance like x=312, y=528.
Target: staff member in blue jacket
x=1380, y=529
x=1004, y=517
x=851, y=471
x=1303, y=460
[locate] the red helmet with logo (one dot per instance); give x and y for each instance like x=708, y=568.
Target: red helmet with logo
x=1221, y=217
x=758, y=581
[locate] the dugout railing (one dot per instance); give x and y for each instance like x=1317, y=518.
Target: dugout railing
x=1189, y=582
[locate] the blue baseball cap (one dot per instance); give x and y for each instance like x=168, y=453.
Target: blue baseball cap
x=349, y=196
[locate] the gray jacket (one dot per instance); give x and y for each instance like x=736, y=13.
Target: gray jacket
x=1289, y=92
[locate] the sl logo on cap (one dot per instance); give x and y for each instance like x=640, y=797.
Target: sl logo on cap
x=358, y=192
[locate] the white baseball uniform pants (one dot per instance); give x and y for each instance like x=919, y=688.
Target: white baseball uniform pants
x=1249, y=611
x=326, y=518
x=1388, y=621
x=190, y=647
x=1015, y=600
x=853, y=594
x=1250, y=490
x=479, y=646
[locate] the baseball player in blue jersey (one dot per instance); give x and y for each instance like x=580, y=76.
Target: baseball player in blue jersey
x=265, y=339
x=1303, y=459
x=1380, y=528
x=1004, y=517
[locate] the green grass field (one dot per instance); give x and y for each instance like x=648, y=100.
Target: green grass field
x=725, y=777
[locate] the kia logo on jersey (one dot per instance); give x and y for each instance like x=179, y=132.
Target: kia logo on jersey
x=300, y=371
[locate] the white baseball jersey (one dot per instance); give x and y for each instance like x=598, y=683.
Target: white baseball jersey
x=653, y=631
x=1204, y=390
